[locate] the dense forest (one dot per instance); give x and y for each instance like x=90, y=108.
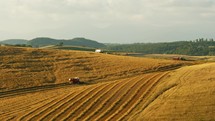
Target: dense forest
x=198, y=47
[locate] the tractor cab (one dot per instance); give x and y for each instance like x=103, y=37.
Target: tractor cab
x=74, y=80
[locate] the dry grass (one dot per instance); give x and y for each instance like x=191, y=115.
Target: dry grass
x=93, y=102
x=27, y=67
x=189, y=58
x=187, y=93
x=178, y=95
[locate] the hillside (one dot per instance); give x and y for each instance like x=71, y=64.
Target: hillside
x=14, y=41
x=84, y=42
x=28, y=67
x=188, y=94
x=182, y=94
x=69, y=47
x=37, y=42
x=43, y=41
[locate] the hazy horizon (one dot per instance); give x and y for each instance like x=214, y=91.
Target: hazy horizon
x=108, y=21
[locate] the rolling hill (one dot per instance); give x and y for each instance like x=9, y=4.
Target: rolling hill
x=14, y=41
x=188, y=94
x=43, y=41
x=29, y=67
x=69, y=47
x=182, y=94
x=34, y=86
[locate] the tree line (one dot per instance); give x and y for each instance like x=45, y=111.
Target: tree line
x=198, y=47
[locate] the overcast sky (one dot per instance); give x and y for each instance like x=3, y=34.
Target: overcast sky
x=116, y=21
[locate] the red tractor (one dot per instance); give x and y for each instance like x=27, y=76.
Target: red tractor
x=178, y=58
x=74, y=80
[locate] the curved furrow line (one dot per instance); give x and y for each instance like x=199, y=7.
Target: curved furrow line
x=144, y=102
x=70, y=109
x=18, y=104
x=22, y=102
x=36, y=110
x=144, y=93
x=59, y=111
x=77, y=103
x=9, y=118
x=87, y=104
x=111, y=101
x=20, y=110
x=94, y=109
x=42, y=111
x=16, y=112
x=133, y=100
x=27, y=106
x=24, y=91
x=53, y=106
x=41, y=107
x=124, y=102
x=186, y=74
x=120, y=100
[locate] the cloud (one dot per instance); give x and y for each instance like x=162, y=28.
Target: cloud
x=110, y=18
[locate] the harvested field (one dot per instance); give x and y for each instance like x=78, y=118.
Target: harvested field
x=28, y=67
x=97, y=102
x=189, y=95
x=186, y=57
x=132, y=89
x=172, y=95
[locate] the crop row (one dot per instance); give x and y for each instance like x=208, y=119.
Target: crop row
x=116, y=100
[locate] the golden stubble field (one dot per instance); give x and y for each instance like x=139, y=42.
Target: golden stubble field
x=27, y=67
x=182, y=94
x=192, y=97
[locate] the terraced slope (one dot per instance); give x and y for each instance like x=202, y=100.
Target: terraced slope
x=28, y=67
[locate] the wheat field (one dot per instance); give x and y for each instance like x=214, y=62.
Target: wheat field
x=111, y=100
x=148, y=90
x=28, y=67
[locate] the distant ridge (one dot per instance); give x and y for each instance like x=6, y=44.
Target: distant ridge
x=14, y=41
x=44, y=41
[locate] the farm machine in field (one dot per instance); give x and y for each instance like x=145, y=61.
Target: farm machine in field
x=179, y=58
x=74, y=80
